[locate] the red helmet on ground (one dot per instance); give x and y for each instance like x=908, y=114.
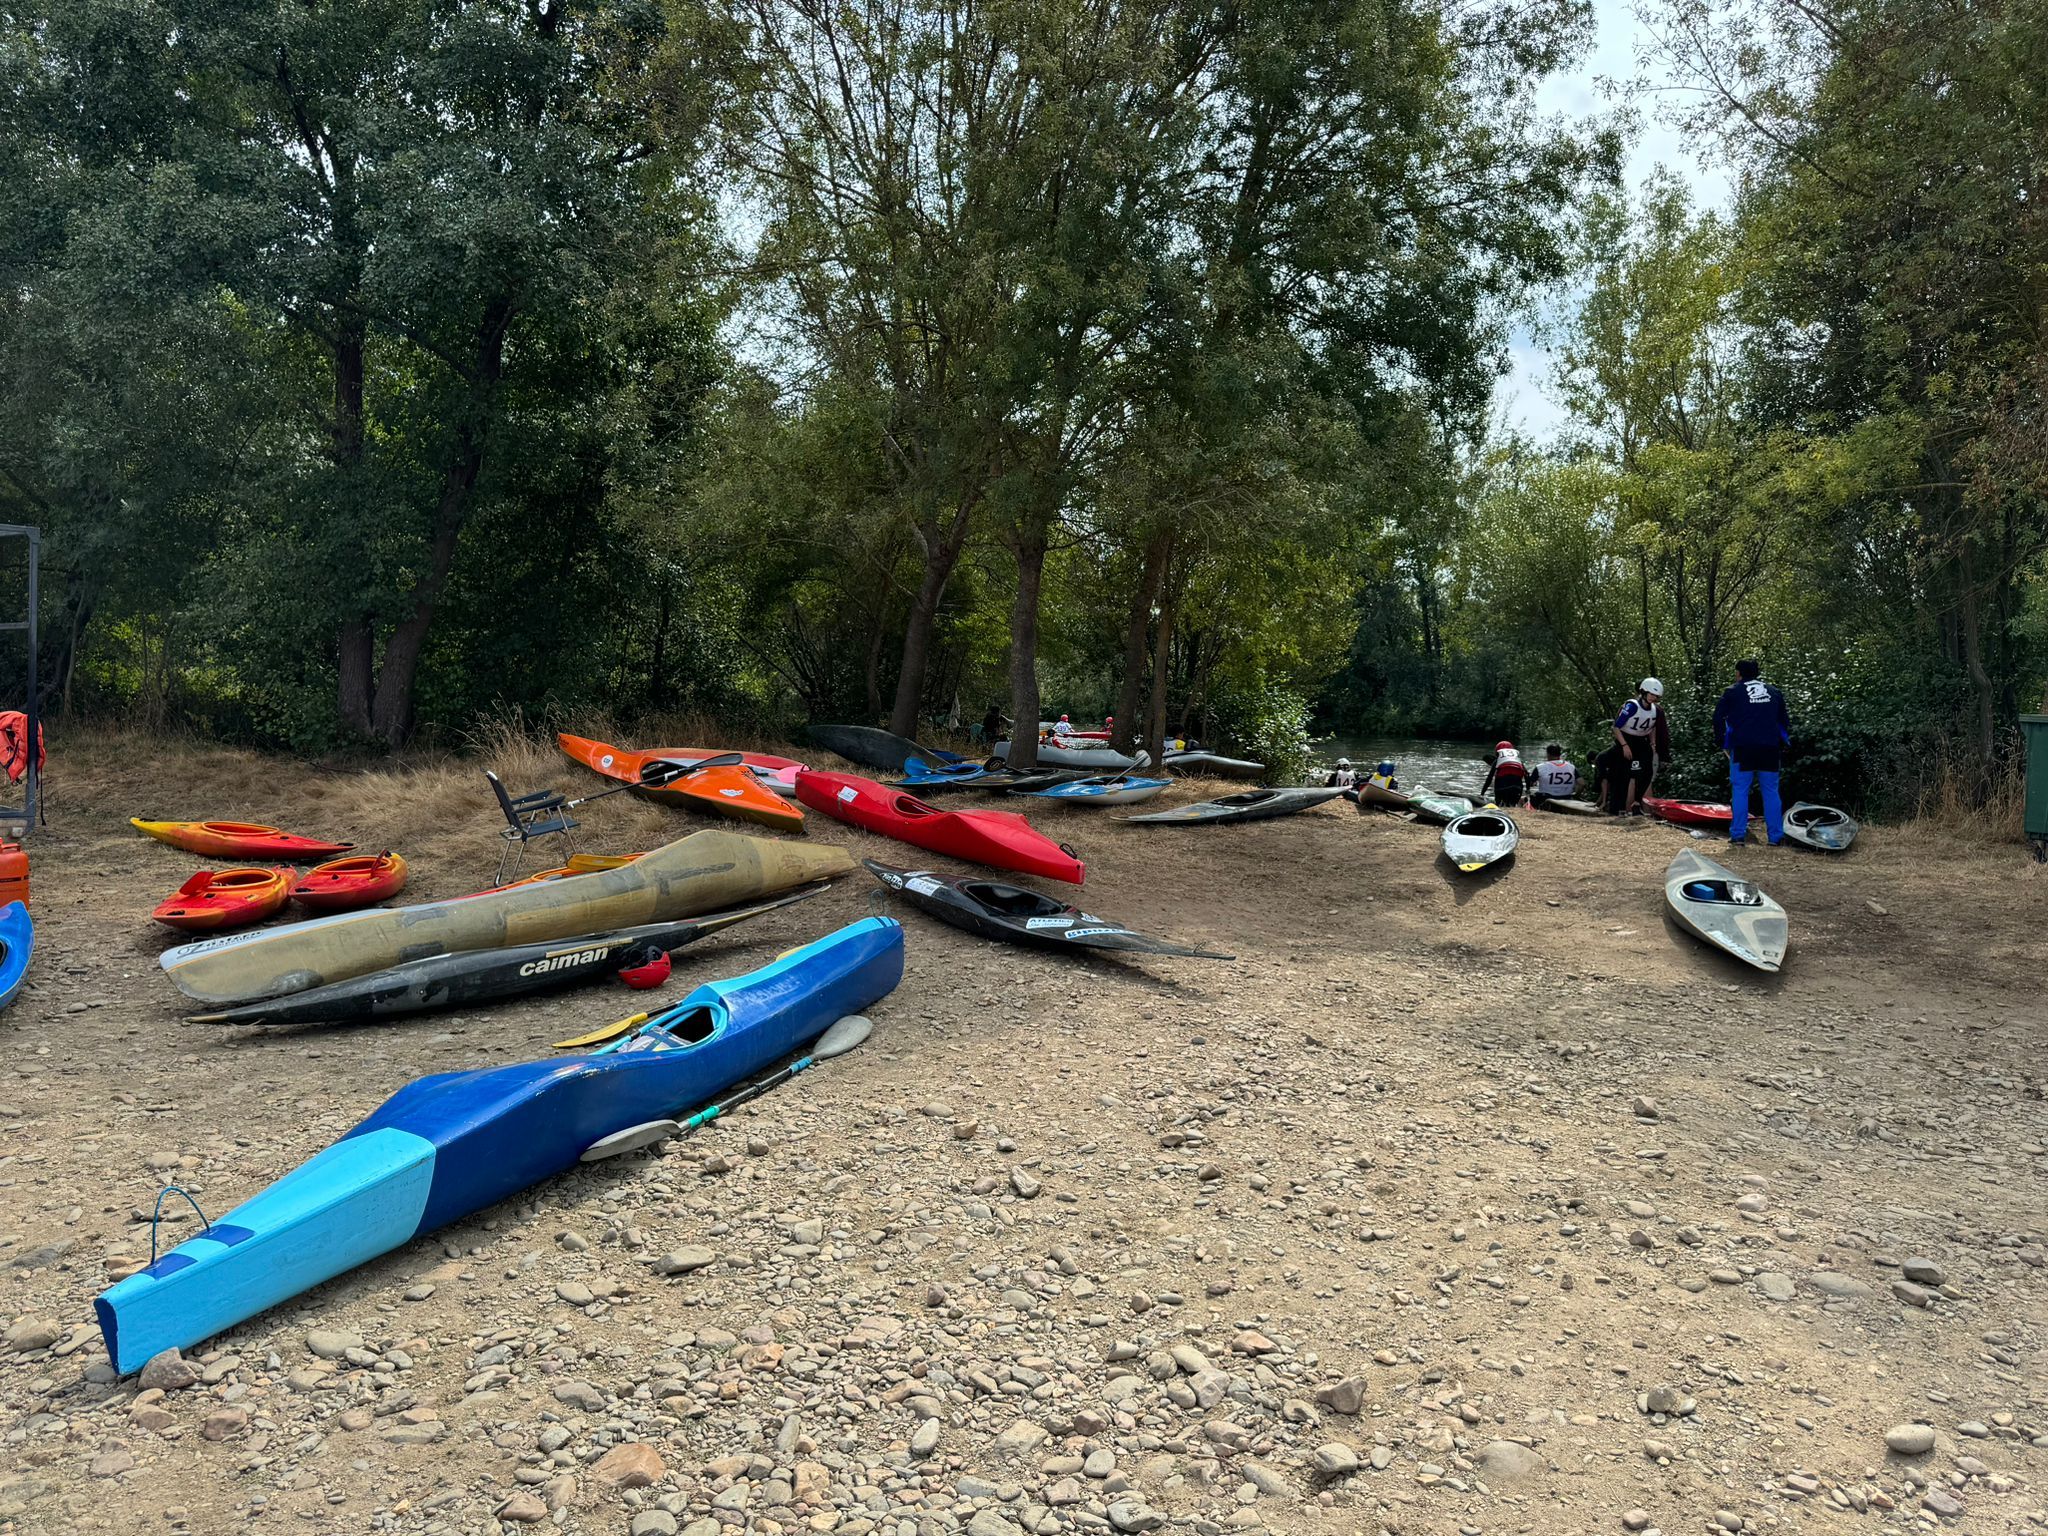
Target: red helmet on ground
x=646, y=969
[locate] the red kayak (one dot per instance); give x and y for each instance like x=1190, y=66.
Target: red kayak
x=343, y=885
x=1000, y=839
x=237, y=840
x=1691, y=813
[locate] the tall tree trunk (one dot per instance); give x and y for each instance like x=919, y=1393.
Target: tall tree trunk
x=942, y=546
x=1985, y=745
x=391, y=708
x=355, y=661
x=872, y=673
x=1137, y=628
x=356, y=673
x=1030, y=547
x=1162, y=664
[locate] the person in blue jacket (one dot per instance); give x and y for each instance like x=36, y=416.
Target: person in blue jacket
x=1752, y=726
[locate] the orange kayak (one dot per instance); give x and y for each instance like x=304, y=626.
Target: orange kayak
x=625, y=764
x=342, y=885
x=234, y=898
x=726, y=791
x=237, y=840
x=579, y=864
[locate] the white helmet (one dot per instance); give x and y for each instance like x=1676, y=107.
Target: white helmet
x=1653, y=688
x=1343, y=762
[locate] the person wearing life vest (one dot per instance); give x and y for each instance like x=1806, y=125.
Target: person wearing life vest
x=1752, y=727
x=1342, y=776
x=1506, y=775
x=1062, y=728
x=1642, y=740
x=1556, y=777
x=1383, y=775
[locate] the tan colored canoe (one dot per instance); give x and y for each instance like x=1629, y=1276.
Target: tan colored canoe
x=703, y=872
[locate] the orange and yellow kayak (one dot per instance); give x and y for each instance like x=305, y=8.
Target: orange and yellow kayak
x=736, y=791
x=237, y=840
x=342, y=885
x=233, y=898
x=624, y=764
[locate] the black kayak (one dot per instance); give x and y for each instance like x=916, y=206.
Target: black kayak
x=488, y=975
x=996, y=910
x=1252, y=805
x=873, y=748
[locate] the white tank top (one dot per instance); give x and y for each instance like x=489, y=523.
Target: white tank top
x=1557, y=779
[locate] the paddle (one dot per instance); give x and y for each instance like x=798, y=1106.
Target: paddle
x=842, y=1037
x=664, y=771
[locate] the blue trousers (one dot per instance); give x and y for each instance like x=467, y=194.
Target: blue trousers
x=1774, y=812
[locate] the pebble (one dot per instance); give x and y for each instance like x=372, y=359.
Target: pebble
x=1924, y=1272
x=925, y=1439
x=332, y=1344
x=1776, y=1285
x=523, y=1508
x=1942, y=1502
x=1507, y=1460
x=167, y=1372
x=1839, y=1286
x=1335, y=1460
x=632, y=1465
x=33, y=1333
x=685, y=1261
x=1910, y=1439
x=1024, y=1184
x=1635, y=1519
x=575, y=1293
x=653, y=1522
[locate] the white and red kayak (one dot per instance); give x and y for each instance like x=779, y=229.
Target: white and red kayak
x=1691, y=813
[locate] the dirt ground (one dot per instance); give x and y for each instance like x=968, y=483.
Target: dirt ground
x=1470, y=1205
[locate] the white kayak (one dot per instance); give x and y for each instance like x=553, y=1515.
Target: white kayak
x=1093, y=755
x=1820, y=826
x=1727, y=911
x=1479, y=838
x=1103, y=789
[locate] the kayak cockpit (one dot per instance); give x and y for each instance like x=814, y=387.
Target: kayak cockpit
x=1010, y=900
x=1727, y=893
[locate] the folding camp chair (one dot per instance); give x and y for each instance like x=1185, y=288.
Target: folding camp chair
x=544, y=813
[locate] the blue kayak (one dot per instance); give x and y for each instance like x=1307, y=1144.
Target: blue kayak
x=1103, y=789
x=449, y=1145
x=17, y=943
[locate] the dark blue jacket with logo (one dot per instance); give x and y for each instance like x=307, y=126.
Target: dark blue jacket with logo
x=1752, y=726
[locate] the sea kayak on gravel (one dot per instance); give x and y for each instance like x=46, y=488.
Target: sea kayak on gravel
x=1252, y=805
x=454, y=1143
x=238, y=840
x=1000, y=839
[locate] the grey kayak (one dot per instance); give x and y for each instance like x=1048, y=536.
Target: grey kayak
x=1213, y=765
x=1252, y=805
x=1441, y=809
x=1727, y=911
x=1820, y=826
x=871, y=747
x=1567, y=807
x=1479, y=838
x=1094, y=755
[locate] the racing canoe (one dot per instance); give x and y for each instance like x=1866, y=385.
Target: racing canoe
x=449, y=1145
x=996, y=910
x=1728, y=912
x=1001, y=839
x=1479, y=838
x=1252, y=805
x=480, y=976
x=237, y=840
x=704, y=872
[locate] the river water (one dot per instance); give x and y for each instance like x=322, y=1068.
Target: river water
x=1456, y=766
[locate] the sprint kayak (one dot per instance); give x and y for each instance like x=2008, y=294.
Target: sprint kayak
x=1001, y=839
x=232, y=898
x=1690, y=813
x=1252, y=805
x=451, y=1144
x=1717, y=905
x=1820, y=826
x=17, y=945
x=996, y=910
x=1104, y=789
x=1089, y=756
x=1380, y=797
x=237, y=840
x=481, y=976
x=627, y=765
x=873, y=748
x=1479, y=838
x=704, y=872
x=342, y=885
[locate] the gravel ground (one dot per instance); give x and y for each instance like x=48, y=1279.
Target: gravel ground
x=1487, y=1205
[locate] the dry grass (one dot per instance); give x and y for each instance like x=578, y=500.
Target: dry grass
x=1954, y=806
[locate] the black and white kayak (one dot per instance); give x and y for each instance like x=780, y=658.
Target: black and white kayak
x=995, y=909
x=1719, y=906
x=1479, y=838
x=1820, y=826
x=481, y=976
x=1252, y=805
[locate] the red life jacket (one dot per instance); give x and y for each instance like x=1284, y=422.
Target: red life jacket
x=1508, y=765
x=14, y=744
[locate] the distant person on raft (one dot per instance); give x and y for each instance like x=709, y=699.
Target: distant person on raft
x=1557, y=777
x=1506, y=775
x=1062, y=728
x=1642, y=740
x=1752, y=726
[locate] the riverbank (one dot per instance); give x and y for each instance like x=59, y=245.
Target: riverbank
x=1485, y=1204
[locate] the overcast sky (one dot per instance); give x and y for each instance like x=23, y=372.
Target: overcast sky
x=1523, y=399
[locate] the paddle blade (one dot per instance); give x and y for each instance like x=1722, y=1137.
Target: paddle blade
x=667, y=771
x=606, y=1032
x=843, y=1037
x=631, y=1139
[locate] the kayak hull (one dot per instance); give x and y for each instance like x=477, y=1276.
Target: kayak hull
x=1820, y=826
x=17, y=948
x=1440, y=810
x=1718, y=906
x=1211, y=765
x=343, y=885
x=452, y=1144
x=1479, y=839
x=237, y=840
x=1380, y=797
x=873, y=748
x=1000, y=839
x=1691, y=813
x=1091, y=758
x=704, y=872
x=625, y=764
x=478, y=977
x=1252, y=805
x=1118, y=789
x=991, y=909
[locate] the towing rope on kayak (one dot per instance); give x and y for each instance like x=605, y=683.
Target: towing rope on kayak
x=156, y=1214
